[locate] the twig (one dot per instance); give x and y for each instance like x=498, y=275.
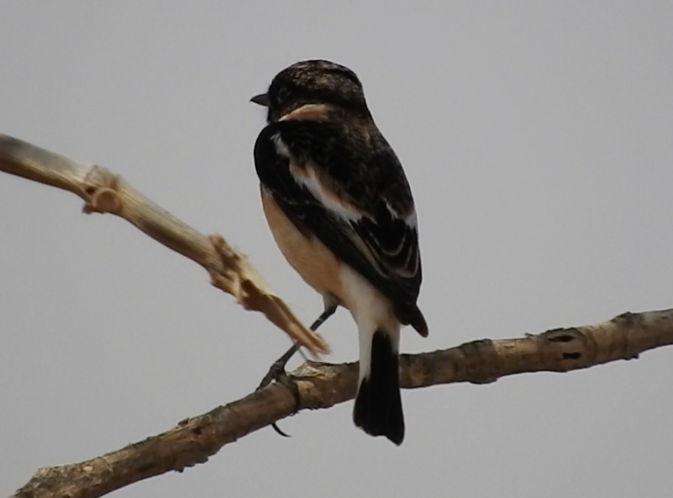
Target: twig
x=105, y=192
x=320, y=385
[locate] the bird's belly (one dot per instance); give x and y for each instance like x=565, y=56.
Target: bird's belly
x=314, y=262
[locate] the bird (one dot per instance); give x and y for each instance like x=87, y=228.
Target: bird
x=340, y=208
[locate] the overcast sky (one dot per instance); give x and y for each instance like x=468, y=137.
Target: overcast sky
x=537, y=140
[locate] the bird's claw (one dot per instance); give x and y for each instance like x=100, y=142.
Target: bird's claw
x=277, y=370
x=278, y=373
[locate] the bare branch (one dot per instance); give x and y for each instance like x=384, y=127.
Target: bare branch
x=319, y=385
x=105, y=192
x=323, y=385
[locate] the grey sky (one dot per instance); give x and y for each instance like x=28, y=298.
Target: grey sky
x=537, y=139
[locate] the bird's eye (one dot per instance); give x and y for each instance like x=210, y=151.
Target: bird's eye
x=283, y=94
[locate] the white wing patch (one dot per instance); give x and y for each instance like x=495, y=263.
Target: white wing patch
x=281, y=148
x=307, y=178
x=410, y=219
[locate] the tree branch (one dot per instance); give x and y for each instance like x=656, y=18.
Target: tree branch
x=319, y=385
x=322, y=385
x=105, y=192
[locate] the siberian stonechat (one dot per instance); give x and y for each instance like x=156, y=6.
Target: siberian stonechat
x=341, y=211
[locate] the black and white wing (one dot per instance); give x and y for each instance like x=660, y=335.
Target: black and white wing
x=356, y=200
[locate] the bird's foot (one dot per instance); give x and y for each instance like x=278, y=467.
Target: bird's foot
x=277, y=370
x=278, y=373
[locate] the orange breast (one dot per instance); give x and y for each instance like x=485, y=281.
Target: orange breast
x=314, y=262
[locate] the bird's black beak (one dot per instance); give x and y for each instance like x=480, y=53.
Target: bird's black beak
x=261, y=99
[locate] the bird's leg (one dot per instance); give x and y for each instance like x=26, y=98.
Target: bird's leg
x=278, y=366
x=277, y=370
x=329, y=311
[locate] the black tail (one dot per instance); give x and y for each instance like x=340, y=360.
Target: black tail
x=378, y=405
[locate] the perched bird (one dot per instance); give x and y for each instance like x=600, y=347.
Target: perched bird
x=340, y=209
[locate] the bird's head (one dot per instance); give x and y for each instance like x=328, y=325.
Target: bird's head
x=313, y=82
